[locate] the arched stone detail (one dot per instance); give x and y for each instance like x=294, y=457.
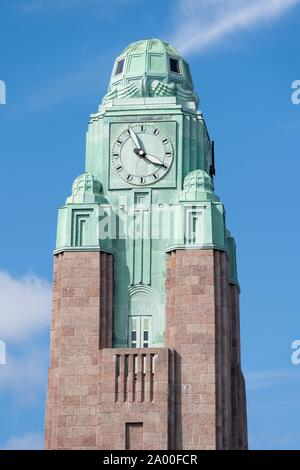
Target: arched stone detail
x=148, y=307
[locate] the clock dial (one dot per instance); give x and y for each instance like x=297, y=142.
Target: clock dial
x=142, y=154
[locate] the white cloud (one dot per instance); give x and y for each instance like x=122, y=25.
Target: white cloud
x=29, y=441
x=204, y=22
x=24, y=306
x=24, y=376
x=24, y=312
x=271, y=378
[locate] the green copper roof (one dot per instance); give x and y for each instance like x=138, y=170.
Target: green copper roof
x=85, y=189
x=150, y=68
x=152, y=45
x=198, y=186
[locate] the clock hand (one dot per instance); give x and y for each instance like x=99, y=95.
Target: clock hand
x=134, y=138
x=154, y=160
x=149, y=157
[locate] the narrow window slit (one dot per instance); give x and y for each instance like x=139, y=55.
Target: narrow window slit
x=143, y=374
x=117, y=377
x=126, y=361
x=152, y=364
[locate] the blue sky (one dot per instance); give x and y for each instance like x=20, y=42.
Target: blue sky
x=56, y=58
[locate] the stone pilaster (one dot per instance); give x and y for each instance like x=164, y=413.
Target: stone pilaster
x=81, y=324
x=239, y=414
x=198, y=328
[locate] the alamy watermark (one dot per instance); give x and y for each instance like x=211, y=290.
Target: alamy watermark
x=295, y=358
x=296, y=94
x=2, y=92
x=2, y=353
x=156, y=222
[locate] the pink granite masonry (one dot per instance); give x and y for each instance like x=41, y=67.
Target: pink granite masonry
x=239, y=416
x=198, y=328
x=189, y=394
x=81, y=324
x=135, y=388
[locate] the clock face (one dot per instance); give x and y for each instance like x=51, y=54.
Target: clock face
x=142, y=154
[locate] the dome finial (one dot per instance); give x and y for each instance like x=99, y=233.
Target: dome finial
x=151, y=68
x=85, y=189
x=198, y=186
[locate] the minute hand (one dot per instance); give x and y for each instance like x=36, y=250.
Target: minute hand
x=154, y=159
x=134, y=138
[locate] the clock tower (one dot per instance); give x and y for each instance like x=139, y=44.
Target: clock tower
x=145, y=341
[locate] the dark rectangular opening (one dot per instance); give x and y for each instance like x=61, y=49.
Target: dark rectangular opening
x=120, y=67
x=174, y=65
x=134, y=436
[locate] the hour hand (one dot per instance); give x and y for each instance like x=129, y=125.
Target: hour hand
x=155, y=160
x=134, y=138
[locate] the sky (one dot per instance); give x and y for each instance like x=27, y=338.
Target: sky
x=56, y=58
